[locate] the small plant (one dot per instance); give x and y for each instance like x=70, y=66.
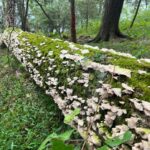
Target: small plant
x=69, y=118
x=117, y=141
x=57, y=142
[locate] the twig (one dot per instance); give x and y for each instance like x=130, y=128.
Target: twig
x=139, y=3
x=45, y=13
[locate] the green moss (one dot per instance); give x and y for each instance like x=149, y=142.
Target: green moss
x=13, y=29
x=139, y=82
x=129, y=63
x=27, y=115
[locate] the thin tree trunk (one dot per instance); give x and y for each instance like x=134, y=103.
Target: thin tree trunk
x=73, y=21
x=87, y=15
x=3, y=13
x=136, y=13
x=26, y=23
x=23, y=13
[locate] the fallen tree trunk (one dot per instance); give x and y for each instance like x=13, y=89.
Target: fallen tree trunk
x=102, y=93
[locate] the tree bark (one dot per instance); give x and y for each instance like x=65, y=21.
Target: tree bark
x=3, y=11
x=10, y=13
x=87, y=14
x=73, y=21
x=110, y=21
x=114, y=100
x=23, y=6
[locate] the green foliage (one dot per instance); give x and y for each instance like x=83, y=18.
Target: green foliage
x=104, y=148
x=92, y=29
x=27, y=114
x=60, y=145
x=69, y=118
x=56, y=140
x=114, y=142
x=117, y=141
x=58, y=12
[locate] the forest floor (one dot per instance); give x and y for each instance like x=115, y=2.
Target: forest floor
x=138, y=46
x=27, y=115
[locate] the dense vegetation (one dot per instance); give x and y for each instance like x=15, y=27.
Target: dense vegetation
x=27, y=114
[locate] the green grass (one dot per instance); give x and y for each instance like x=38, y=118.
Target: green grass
x=139, y=46
x=27, y=115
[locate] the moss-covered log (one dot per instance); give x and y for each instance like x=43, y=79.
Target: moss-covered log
x=102, y=93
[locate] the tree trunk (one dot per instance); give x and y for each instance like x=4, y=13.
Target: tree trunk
x=87, y=14
x=110, y=22
x=101, y=98
x=3, y=13
x=23, y=6
x=73, y=21
x=10, y=13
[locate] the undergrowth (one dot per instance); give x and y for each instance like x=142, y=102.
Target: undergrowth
x=27, y=115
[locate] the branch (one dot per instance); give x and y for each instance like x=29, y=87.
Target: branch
x=45, y=13
x=139, y=3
